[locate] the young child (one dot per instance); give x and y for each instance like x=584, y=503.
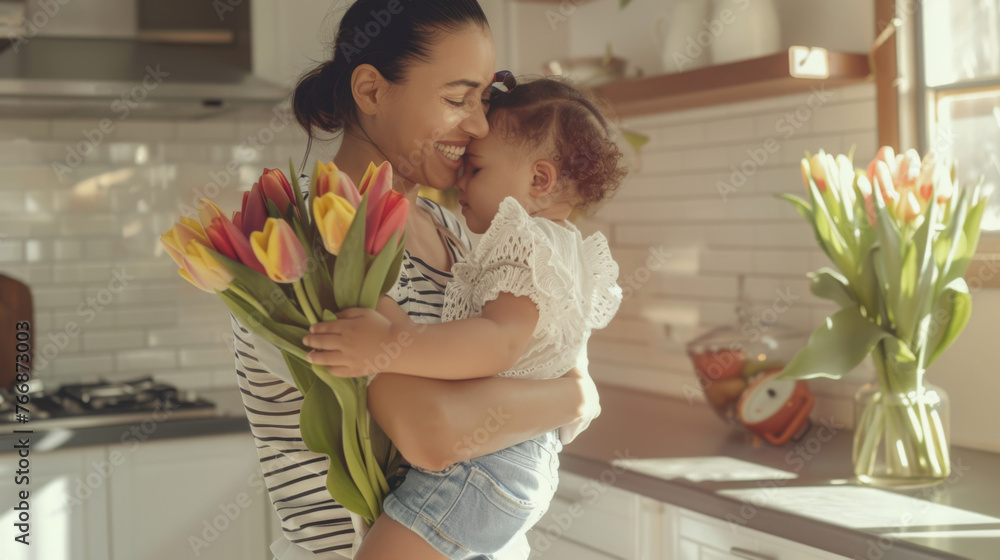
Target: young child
x=524, y=304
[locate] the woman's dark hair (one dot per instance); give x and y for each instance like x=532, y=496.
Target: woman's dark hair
x=389, y=35
x=552, y=112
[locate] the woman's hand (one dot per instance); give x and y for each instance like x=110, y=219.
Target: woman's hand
x=352, y=346
x=590, y=406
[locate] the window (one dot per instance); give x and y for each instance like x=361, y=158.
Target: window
x=958, y=93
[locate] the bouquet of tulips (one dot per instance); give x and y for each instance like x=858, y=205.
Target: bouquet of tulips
x=901, y=235
x=279, y=268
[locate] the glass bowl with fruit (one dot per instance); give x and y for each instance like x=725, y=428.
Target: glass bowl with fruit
x=728, y=359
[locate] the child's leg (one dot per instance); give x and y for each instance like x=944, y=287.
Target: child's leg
x=390, y=540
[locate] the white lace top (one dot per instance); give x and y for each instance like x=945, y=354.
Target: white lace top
x=572, y=280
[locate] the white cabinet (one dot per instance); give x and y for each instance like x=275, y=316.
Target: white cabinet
x=67, y=505
x=191, y=498
x=592, y=519
x=688, y=535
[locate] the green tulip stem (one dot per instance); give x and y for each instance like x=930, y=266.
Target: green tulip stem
x=248, y=298
x=300, y=294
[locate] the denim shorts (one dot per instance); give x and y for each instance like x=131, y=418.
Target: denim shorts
x=481, y=508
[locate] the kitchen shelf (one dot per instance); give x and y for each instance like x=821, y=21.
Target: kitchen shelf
x=769, y=76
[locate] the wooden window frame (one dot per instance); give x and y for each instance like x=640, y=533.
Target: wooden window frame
x=903, y=117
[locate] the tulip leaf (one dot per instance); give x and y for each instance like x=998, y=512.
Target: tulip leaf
x=349, y=272
x=321, y=422
x=392, y=277
x=802, y=206
x=346, y=392
x=328, y=316
x=326, y=298
x=906, y=304
x=889, y=264
x=830, y=284
x=272, y=210
x=265, y=290
x=831, y=240
x=952, y=243
x=951, y=313
x=288, y=338
x=836, y=347
x=376, y=277
x=300, y=200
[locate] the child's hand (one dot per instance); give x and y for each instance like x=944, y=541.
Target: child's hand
x=353, y=345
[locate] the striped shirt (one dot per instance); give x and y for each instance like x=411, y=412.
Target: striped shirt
x=294, y=476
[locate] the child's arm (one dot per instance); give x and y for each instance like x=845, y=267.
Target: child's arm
x=363, y=342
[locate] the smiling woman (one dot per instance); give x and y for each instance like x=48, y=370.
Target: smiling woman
x=408, y=83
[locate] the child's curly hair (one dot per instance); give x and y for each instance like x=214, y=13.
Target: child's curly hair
x=546, y=110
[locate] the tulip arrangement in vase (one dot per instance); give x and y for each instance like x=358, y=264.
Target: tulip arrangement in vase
x=280, y=268
x=901, y=234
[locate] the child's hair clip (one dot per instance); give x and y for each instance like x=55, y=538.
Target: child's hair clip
x=504, y=81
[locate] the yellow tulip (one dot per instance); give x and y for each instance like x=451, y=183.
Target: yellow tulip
x=334, y=215
x=176, y=240
x=204, y=271
x=280, y=251
x=188, y=245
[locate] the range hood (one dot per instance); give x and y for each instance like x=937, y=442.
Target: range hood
x=182, y=59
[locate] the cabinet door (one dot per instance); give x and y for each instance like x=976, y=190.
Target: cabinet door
x=67, y=505
x=592, y=519
x=688, y=535
x=200, y=497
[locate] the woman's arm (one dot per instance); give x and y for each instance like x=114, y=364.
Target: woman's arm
x=435, y=423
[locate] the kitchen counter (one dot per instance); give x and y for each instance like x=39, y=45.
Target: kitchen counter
x=640, y=425
x=635, y=425
x=229, y=418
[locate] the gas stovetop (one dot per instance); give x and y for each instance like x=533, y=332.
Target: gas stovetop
x=100, y=404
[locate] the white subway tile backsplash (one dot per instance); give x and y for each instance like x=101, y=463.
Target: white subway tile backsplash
x=113, y=339
x=702, y=286
x=218, y=355
x=26, y=129
x=846, y=117
x=715, y=196
x=730, y=130
x=72, y=366
x=144, y=131
x=146, y=315
x=11, y=250
x=148, y=359
x=677, y=136
x=50, y=297
x=121, y=190
x=207, y=131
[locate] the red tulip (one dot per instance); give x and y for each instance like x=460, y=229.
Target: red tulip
x=376, y=182
x=389, y=218
x=272, y=186
x=226, y=236
x=277, y=188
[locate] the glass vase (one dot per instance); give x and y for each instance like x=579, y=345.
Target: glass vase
x=901, y=435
